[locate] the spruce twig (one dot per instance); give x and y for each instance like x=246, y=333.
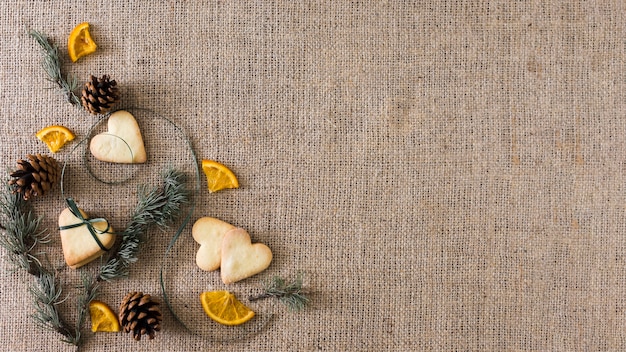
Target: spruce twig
x=52, y=65
x=47, y=295
x=290, y=294
x=21, y=234
x=21, y=231
x=90, y=289
x=158, y=206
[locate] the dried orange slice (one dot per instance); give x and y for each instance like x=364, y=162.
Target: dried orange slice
x=218, y=176
x=80, y=42
x=102, y=317
x=225, y=308
x=55, y=137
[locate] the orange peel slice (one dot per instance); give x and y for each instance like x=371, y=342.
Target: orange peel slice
x=219, y=176
x=224, y=308
x=55, y=137
x=102, y=317
x=80, y=43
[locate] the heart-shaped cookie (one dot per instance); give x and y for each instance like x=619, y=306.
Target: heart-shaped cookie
x=242, y=259
x=122, y=143
x=209, y=232
x=79, y=246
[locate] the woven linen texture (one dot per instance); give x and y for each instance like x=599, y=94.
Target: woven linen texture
x=449, y=175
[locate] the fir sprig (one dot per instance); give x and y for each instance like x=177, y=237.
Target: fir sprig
x=157, y=206
x=47, y=295
x=21, y=234
x=290, y=294
x=52, y=65
x=21, y=231
x=90, y=289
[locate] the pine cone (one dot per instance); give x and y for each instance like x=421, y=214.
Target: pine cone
x=35, y=176
x=140, y=314
x=99, y=95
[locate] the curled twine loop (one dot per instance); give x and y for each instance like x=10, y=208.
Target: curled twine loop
x=86, y=222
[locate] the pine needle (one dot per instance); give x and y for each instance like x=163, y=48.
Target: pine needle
x=158, y=206
x=21, y=231
x=52, y=65
x=47, y=296
x=90, y=289
x=290, y=294
x=21, y=234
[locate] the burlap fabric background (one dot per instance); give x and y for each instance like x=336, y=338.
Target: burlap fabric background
x=449, y=175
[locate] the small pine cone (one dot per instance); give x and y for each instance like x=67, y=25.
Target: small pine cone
x=140, y=314
x=100, y=94
x=35, y=176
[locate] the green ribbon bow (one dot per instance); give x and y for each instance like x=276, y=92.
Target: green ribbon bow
x=87, y=222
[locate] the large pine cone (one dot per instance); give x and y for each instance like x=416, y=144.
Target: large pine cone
x=100, y=94
x=140, y=314
x=35, y=176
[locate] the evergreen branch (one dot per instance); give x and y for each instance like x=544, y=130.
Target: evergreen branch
x=90, y=288
x=52, y=65
x=21, y=231
x=21, y=234
x=47, y=295
x=290, y=294
x=158, y=206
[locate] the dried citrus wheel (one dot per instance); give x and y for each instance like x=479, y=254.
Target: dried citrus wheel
x=102, y=317
x=218, y=176
x=225, y=308
x=80, y=42
x=55, y=137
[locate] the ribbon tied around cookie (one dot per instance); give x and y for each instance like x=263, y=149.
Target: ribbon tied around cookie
x=86, y=221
